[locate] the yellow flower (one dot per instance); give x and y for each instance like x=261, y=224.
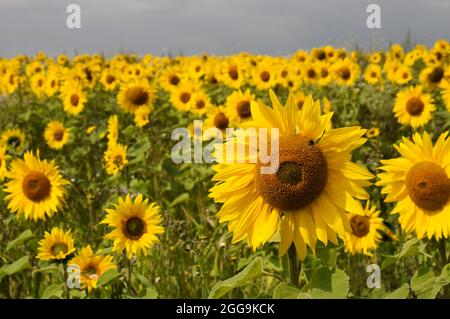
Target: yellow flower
x=373, y=132
x=36, y=188
x=13, y=139
x=413, y=107
x=115, y=158
x=419, y=182
x=238, y=107
x=91, y=266
x=313, y=188
x=135, y=225
x=73, y=98
x=3, y=166
x=56, y=135
x=135, y=94
x=141, y=116
x=346, y=72
x=56, y=245
x=372, y=74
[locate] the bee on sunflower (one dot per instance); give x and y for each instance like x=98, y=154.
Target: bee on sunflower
x=135, y=225
x=307, y=198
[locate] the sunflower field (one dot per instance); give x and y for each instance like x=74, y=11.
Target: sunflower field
x=93, y=204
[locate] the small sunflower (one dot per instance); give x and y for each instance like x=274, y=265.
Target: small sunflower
x=181, y=97
x=73, y=98
x=346, y=72
x=36, y=189
x=56, y=135
x=372, y=74
x=135, y=225
x=3, y=166
x=141, y=116
x=365, y=231
x=264, y=76
x=419, y=181
x=432, y=76
x=238, y=107
x=57, y=245
x=115, y=158
x=201, y=103
x=92, y=266
x=217, y=120
x=135, y=94
x=113, y=130
x=373, y=132
x=13, y=139
x=413, y=107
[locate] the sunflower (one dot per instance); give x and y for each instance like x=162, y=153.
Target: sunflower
x=313, y=188
x=56, y=245
x=113, y=130
x=238, y=107
x=171, y=77
x=311, y=74
x=232, y=73
x=109, y=80
x=135, y=94
x=201, y=103
x=373, y=132
x=375, y=58
x=263, y=76
x=56, y=135
x=365, y=231
x=73, y=98
x=3, y=158
x=346, y=72
x=419, y=181
x=37, y=84
x=92, y=266
x=445, y=92
x=217, y=120
x=432, y=76
x=36, y=189
x=115, y=158
x=181, y=97
x=51, y=84
x=403, y=74
x=13, y=139
x=136, y=224
x=413, y=107
x=372, y=74
x=141, y=116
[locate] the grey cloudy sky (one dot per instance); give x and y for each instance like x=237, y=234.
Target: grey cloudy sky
x=219, y=27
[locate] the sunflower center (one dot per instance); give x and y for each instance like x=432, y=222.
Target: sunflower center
x=265, y=76
x=110, y=79
x=301, y=176
x=428, y=185
x=118, y=160
x=311, y=73
x=40, y=82
x=221, y=121
x=174, y=80
x=284, y=74
x=321, y=55
x=344, y=73
x=243, y=109
x=13, y=141
x=200, y=104
x=134, y=228
x=185, y=97
x=36, y=186
x=58, y=135
x=74, y=99
x=59, y=248
x=90, y=270
x=137, y=96
x=415, y=106
x=233, y=73
x=300, y=104
x=360, y=225
x=436, y=75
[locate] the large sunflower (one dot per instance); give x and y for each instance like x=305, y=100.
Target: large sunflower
x=92, y=266
x=419, y=182
x=413, y=107
x=136, y=224
x=56, y=245
x=56, y=135
x=365, y=231
x=308, y=197
x=36, y=189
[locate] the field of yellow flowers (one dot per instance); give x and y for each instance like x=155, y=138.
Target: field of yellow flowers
x=93, y=205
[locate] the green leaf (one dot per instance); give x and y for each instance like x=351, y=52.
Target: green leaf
x=150, y=293
x=52, y=291
x=287, y=291
x=107, y=277
x=47, y=268
x=20, y=239
x=180, y=199
x=18, y=265
x=399, y=293
x=251, y=271
x=329, y=286
x=410, y=248
x=426, y=285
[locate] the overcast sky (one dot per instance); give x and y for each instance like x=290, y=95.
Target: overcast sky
x=219, y=27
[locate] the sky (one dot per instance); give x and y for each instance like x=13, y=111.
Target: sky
x=218, y=27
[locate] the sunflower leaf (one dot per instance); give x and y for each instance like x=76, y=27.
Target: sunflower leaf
x=18, y=265
x=55, y=290
x=287, y=291
x=400, y=293
x=253, y=270
x=108, y=276
x=28, y=234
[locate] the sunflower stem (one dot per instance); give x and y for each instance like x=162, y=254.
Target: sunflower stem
x=294, y=269
x=443, y=252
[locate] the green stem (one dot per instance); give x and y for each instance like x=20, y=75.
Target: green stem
x=131, y=290
x=294, y=269
x=442, y=251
